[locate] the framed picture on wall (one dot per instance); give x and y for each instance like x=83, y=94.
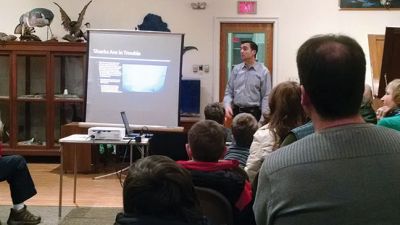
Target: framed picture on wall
x=369, y=4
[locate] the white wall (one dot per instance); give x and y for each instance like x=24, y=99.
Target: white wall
x=297, y=21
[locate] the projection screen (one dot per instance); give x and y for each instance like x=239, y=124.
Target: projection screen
x=138, y=72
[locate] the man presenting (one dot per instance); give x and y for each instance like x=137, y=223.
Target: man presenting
x=348, y=171
x=248, y=86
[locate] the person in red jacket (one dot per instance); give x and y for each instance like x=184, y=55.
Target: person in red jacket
x=205, y=149
x=14, y=170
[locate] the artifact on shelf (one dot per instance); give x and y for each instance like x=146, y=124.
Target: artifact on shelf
x=67, y=96
x=74, y=27
x=36, y=96
x=7, y=37
x=32, y=141
x=38, y=17
x=27, y=142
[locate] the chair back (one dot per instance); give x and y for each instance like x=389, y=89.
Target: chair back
x=215, y=206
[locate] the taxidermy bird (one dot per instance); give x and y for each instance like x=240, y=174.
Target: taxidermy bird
x=38, y=17
x=188, y=48
x=386, y=3
x=152, y=22
x=73, y=27
x=5, y=37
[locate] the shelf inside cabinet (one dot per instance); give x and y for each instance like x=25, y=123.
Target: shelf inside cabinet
x=69, y=98
x=31, y=98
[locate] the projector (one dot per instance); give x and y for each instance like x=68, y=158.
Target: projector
x=106, y=133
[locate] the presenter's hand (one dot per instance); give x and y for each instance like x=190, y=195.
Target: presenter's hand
x=228, y=112
x=382, y=111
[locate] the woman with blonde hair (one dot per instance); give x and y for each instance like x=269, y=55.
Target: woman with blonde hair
x=286, y=113
x=389, y=114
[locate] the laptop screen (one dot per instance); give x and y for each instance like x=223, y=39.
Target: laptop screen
x=128, y=130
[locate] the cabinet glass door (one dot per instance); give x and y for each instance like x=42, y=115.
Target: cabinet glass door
x=31, y=77
x=4, y=77
x=69, y=80
x=4, y=98
x=31, y=100
x=69, y=91
x=31, y=123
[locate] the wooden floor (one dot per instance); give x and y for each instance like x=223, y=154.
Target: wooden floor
x=106, y=192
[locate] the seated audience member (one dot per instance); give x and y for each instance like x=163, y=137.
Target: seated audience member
x=389, y=114
x=244, y=125
x=366, y=111
x=206, y=146
x=286, y=113
x=14, y=170
x=216, y=111
x=157, y=191
x=348, y=171
x=298, y=133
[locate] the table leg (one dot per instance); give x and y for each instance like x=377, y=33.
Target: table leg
x=75, y=169
x=130, y=154
x=146, y=150
x=61, y=180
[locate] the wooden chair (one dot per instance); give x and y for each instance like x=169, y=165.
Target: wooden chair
x=215, y=206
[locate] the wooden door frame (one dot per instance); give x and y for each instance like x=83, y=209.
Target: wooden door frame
x=376, y=44
x=216, y=46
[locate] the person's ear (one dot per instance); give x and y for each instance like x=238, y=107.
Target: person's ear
x=305, y=101
x=188, y=151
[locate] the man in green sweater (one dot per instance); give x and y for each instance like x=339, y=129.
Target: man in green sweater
x=348, y=171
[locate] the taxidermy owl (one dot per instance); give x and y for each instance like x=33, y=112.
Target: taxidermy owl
x=73, y=27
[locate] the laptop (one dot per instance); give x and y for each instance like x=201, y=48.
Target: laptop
x=128, y=131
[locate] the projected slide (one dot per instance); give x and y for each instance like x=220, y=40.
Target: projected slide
x=143, y=78
x=136, y=72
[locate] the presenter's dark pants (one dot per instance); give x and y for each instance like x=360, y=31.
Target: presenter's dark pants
x=255, y=111
x=13, y=169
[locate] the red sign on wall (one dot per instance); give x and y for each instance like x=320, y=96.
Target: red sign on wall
x=247, y=7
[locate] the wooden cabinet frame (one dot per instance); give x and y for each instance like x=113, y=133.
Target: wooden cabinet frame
x=48, y=50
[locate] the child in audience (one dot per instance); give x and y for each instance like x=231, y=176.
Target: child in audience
x=366, y=111
x=216, y=111
x=389, y=114
x=286, y=113
x=206, y=146
x=244, y=125
x=157, y=191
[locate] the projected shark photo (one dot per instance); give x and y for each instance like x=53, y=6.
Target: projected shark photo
x=143, y=78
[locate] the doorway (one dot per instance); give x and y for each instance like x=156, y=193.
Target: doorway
x=231, y=34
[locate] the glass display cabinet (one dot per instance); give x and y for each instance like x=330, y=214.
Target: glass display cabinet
x=42, y=87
